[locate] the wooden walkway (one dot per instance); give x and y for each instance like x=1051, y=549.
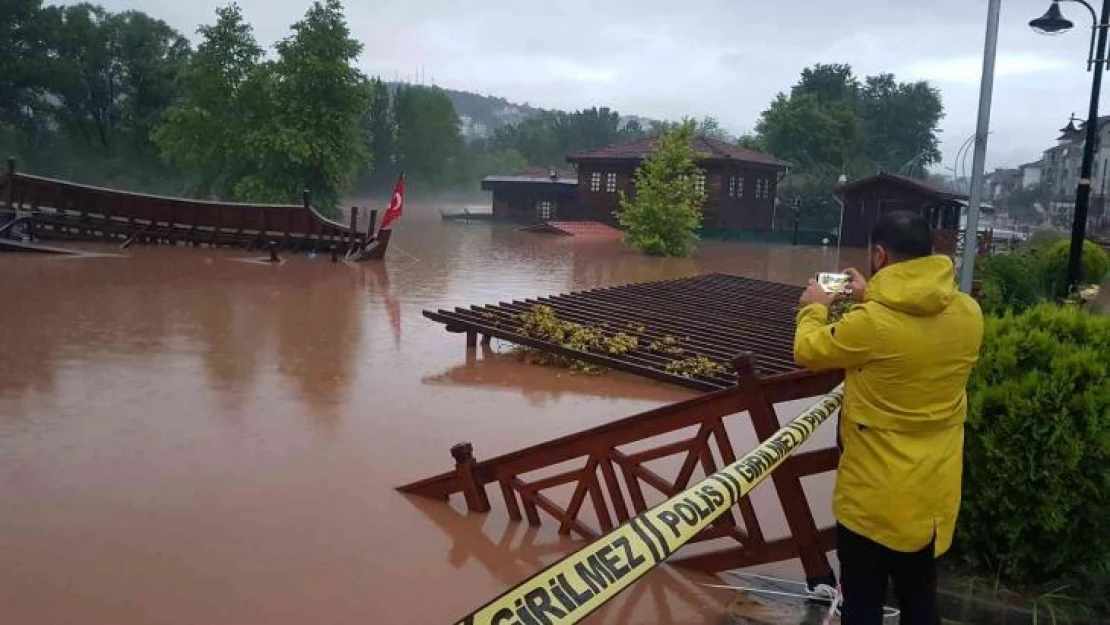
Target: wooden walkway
x=715, y=316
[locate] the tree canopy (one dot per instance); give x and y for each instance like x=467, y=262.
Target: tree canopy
x=832, y=124
x=663, y=216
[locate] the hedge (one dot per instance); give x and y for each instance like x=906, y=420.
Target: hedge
x=1036, y=496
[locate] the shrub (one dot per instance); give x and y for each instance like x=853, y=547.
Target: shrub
x=1013, y=281
x=1093, y=268
x=663, y=217
x=1036, y=499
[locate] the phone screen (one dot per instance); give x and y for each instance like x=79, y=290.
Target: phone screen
x=833, y=282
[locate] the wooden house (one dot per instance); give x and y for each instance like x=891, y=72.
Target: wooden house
x=866, y=199
x=740, y=184
x=534, y=196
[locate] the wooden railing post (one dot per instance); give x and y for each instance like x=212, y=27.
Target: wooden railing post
x=475, y=493
x=11, y=183
x=788, y=486
x=352, y=233
x=373, y=222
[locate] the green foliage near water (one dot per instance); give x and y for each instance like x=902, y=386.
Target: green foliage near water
x=1094, y=265
x=257, y=130
x=1035, y=272
x=1036, y=497
x=832, y=123
x=664, y=216
x=121, y=100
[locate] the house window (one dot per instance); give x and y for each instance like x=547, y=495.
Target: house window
x=611, y=182
x=699, y=181
x=736, y=186
x=545, y=210
x=595, y=181
x=762, y=189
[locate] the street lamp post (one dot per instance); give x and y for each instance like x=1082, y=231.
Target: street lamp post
x=1054, y=22
x=978, y=162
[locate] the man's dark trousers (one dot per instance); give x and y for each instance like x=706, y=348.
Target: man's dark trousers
x=865, y=567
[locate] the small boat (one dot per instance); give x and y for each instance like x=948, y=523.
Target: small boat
x=466, y=215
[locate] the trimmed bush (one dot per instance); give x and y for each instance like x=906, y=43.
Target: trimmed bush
x=1012, y=282
x=1036, y=498
x=1094, y=266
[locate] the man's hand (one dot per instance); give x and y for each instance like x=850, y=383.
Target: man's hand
x=814, y=294
x=857, y=283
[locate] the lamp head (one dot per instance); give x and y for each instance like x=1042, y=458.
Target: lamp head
x=1052, y=22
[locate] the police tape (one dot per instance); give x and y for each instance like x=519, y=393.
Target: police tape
x=570, y=589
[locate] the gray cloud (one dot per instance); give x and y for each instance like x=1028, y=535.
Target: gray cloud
x=725, y=58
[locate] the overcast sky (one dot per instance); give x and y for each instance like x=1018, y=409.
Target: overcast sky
x=725, y=58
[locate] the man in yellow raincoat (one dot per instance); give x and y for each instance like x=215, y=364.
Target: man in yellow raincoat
x=907, y=349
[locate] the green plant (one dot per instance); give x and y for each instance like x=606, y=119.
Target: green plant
x=1036, y=499
x=542, y=323
x=667, y=345
x=1095, y=265
x=695, y=366
x=663, y=217
x=1013, y=281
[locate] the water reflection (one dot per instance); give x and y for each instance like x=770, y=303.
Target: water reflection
x=163, y=412
x=499, y=368
x=512, y=551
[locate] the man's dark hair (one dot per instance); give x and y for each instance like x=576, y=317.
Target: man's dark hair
x=905, y=234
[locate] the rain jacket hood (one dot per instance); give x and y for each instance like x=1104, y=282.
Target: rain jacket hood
x=907, y=353
x=921, y=287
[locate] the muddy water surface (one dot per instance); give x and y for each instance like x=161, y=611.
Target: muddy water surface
x=189, y=438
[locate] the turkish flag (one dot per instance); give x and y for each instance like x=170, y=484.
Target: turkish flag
x=396, y=204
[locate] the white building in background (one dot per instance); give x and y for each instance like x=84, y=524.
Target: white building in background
x=1031, y=174
x=1062, y=164
x=471, y=129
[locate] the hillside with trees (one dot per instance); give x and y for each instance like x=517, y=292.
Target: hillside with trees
x=123, y=100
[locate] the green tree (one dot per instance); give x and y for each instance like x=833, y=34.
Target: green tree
x=379, y=130
x=114, y=74
x=24, y=73
x=813, y=135
x=204, y=132
x=317, y=100
x=665, y=213
x=901, y=121
x=428, y=136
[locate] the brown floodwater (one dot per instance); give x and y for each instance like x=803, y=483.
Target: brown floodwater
x=186, y=437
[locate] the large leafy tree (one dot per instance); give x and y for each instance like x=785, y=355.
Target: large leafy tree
x=203, y=132
x=25, y=70
x=113, y=75
x=379, y=131
x=316, y=104
x=663, y=217
x=901, y=121
x=547, y=138
x=830, y=124
x=265, y=131
x=428, y=137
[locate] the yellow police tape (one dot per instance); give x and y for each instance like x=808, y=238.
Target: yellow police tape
x=580, y=583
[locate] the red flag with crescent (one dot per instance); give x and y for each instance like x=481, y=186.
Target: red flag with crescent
x=396, y=204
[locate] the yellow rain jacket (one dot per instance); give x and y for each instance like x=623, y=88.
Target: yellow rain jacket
x=907, y=352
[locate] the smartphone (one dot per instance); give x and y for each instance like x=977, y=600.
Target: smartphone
x=833, y=282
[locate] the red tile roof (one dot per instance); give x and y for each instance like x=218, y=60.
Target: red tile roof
x=706, y=147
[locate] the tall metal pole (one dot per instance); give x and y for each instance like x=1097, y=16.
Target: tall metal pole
x=1083, y=191
x=986, y=89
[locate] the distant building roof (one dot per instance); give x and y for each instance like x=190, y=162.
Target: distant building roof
x=706, y=147
x=922, y=186
x=533, y=179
